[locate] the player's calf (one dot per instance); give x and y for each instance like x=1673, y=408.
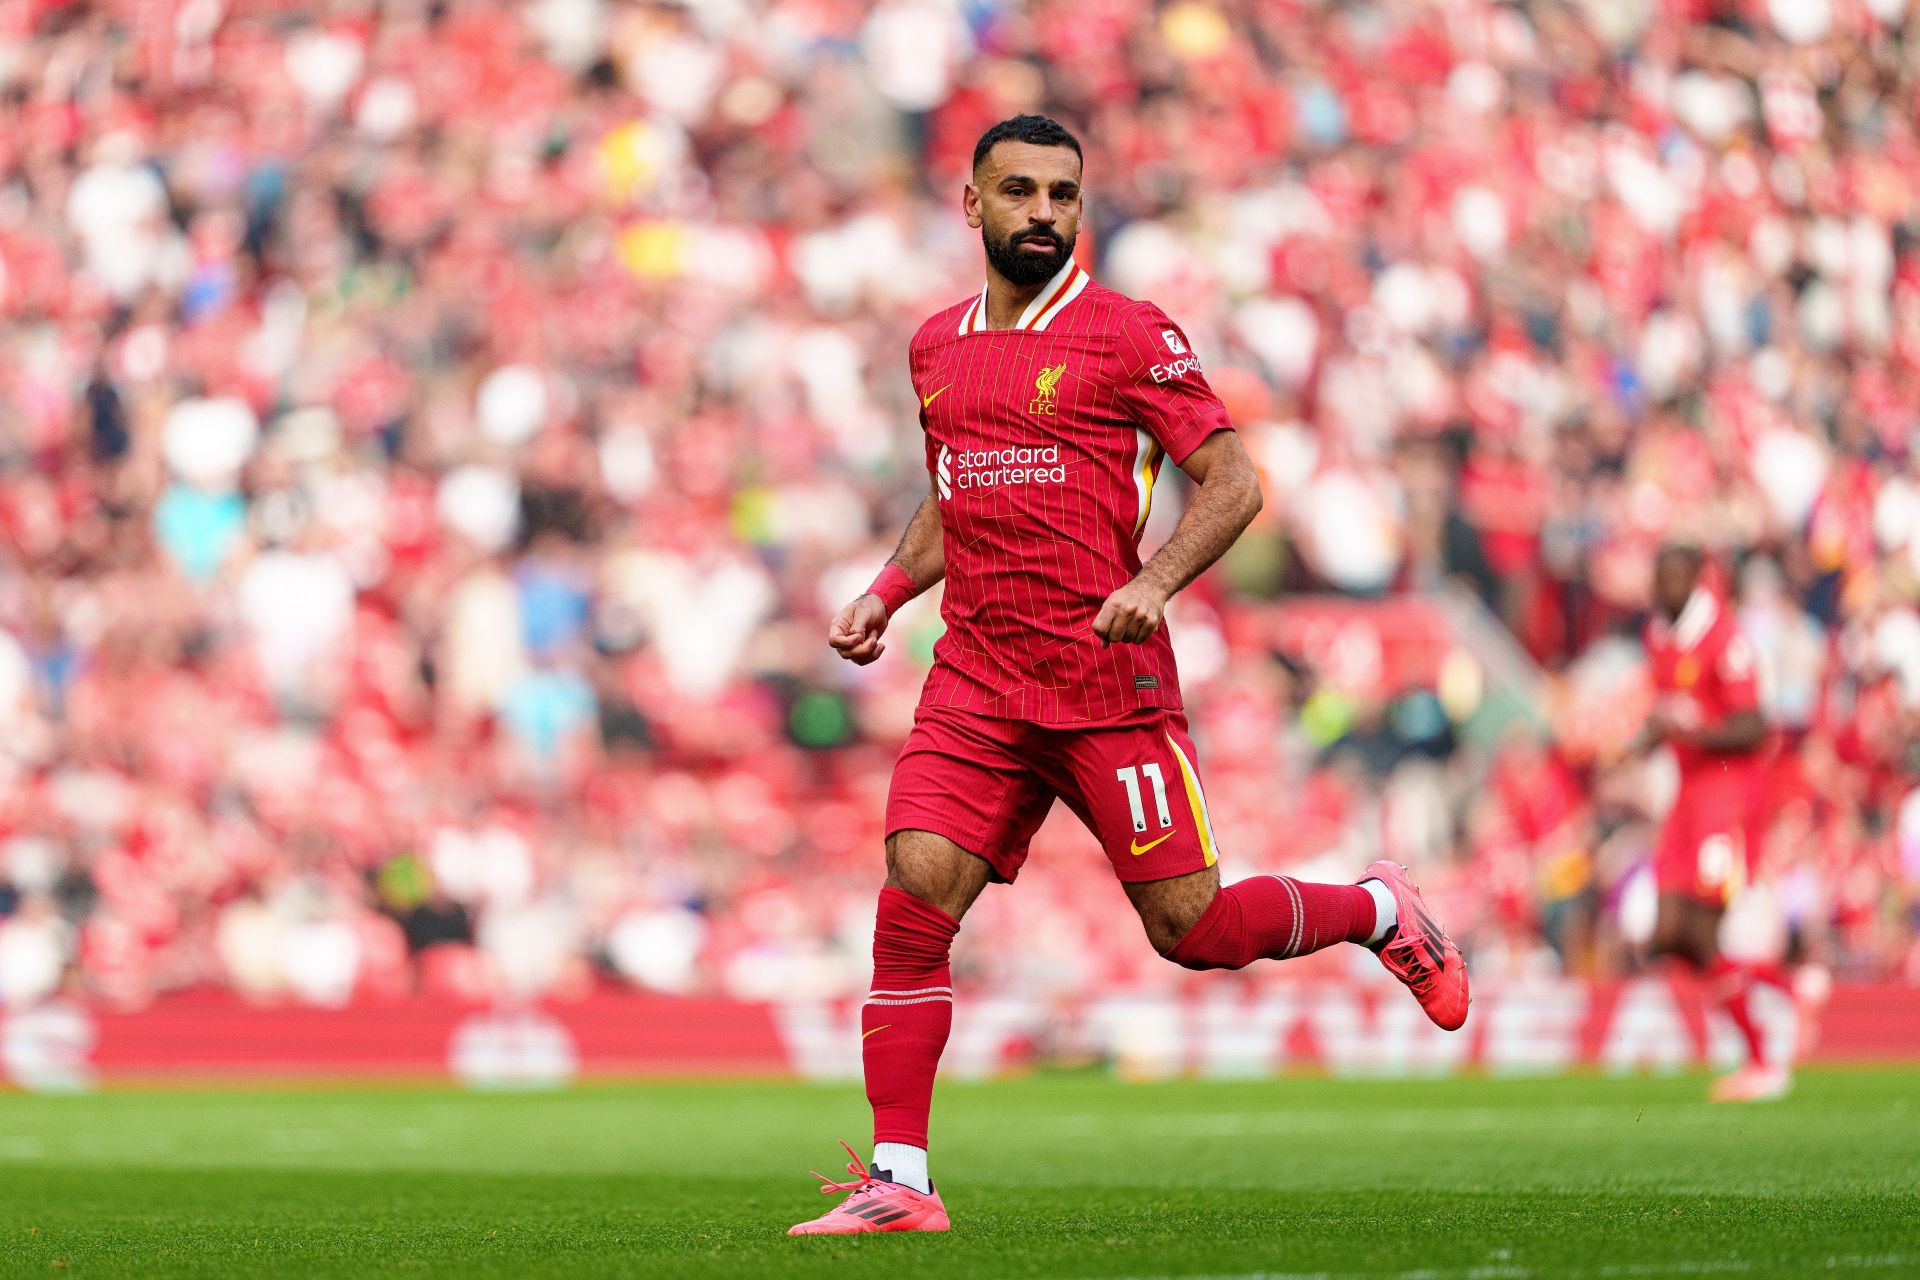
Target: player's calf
x=907, y=1016
x=908, y=1013
x=1278, y=917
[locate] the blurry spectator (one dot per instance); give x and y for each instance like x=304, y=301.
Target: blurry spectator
x=35, y=947
x=432, y=438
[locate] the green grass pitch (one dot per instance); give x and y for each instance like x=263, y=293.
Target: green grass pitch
x=1056, y=1176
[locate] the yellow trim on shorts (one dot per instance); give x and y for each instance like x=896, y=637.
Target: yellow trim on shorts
x=1196, y=801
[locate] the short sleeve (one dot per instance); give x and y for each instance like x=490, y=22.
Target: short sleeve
x=1738, y=674
x=1161, y=383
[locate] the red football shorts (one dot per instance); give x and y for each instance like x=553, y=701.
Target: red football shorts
x=987, y=784
x=1708, y=844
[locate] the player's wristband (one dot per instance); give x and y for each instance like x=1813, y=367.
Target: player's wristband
x=894, y=588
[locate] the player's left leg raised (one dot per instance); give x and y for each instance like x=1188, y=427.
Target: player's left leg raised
x=1278, y=918
x=1195, y=922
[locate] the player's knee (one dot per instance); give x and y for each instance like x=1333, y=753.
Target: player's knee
x=1673, y=944
x=1166, y=933
x=929, y=887
x=1684, y=931
x=1176, y=933
x=935, y=871
x=1171, y=910
x=1677, y=942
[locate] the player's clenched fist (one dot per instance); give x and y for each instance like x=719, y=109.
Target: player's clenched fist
x=1131, y=614
x=857, y=629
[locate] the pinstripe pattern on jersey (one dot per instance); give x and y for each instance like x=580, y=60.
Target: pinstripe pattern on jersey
x=1029, y=561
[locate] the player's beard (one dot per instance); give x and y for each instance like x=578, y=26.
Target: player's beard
x=1027, y=268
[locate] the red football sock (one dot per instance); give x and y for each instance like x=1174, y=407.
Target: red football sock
x=1769, y=973
x=908, y=1014
x=1274, y=917
x=1732, y=984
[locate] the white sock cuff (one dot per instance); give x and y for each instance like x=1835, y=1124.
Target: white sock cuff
x=1384, y=914
x=903, y=1164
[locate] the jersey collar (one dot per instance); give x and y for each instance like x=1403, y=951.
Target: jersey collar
x=1696, y=618
x=1067, y=284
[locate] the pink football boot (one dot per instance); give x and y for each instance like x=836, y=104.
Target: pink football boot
x=1753, y=1084
x=1419, y=952
x=873, y=1206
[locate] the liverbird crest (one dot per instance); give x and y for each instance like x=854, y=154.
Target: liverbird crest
x=1046, y=385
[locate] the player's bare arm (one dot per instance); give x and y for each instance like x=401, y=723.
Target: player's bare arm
x=1741, y=731
x=1226, y=502
x=857, y=628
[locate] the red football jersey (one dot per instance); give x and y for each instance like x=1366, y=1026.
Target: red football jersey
x=1044, y=441
x=1704, y=670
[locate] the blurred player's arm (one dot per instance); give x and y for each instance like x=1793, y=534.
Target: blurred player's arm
x=1227, y=500
x=917, y=563
x=1741, y=731
x=1742, y=727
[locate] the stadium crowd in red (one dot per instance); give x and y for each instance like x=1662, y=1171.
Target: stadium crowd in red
x=433, y=437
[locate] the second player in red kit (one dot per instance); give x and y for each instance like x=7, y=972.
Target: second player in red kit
x=1707, y=712
x=1705, y=676
x=1049, y=406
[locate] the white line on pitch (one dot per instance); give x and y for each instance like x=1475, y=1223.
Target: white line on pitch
x=1438, y=1119
x=1506, y=1271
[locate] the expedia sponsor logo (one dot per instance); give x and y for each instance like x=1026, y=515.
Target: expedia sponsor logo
x=991, y=468
x=1174, y=369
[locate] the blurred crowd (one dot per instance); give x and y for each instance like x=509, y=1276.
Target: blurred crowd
x=434, y=434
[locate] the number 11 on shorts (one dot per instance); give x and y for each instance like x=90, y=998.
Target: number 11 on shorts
x=1130, y=778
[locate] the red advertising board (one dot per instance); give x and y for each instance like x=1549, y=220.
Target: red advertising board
x=1222, y=1029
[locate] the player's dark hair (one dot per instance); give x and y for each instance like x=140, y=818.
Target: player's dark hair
x=1040, y=131
x=1685, y=550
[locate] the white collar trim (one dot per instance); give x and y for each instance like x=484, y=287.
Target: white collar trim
x=1696, y=618
x=1068, y=283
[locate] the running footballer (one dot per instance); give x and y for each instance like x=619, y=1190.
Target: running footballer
x=1050, y=405
x=1708, y=713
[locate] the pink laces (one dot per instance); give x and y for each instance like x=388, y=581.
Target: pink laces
x=863, y=1179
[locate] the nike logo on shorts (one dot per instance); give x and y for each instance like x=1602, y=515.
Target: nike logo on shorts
x=1139, y=848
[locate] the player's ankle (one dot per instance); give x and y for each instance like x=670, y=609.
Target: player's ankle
x=902, y=1163
x=1385, y=912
